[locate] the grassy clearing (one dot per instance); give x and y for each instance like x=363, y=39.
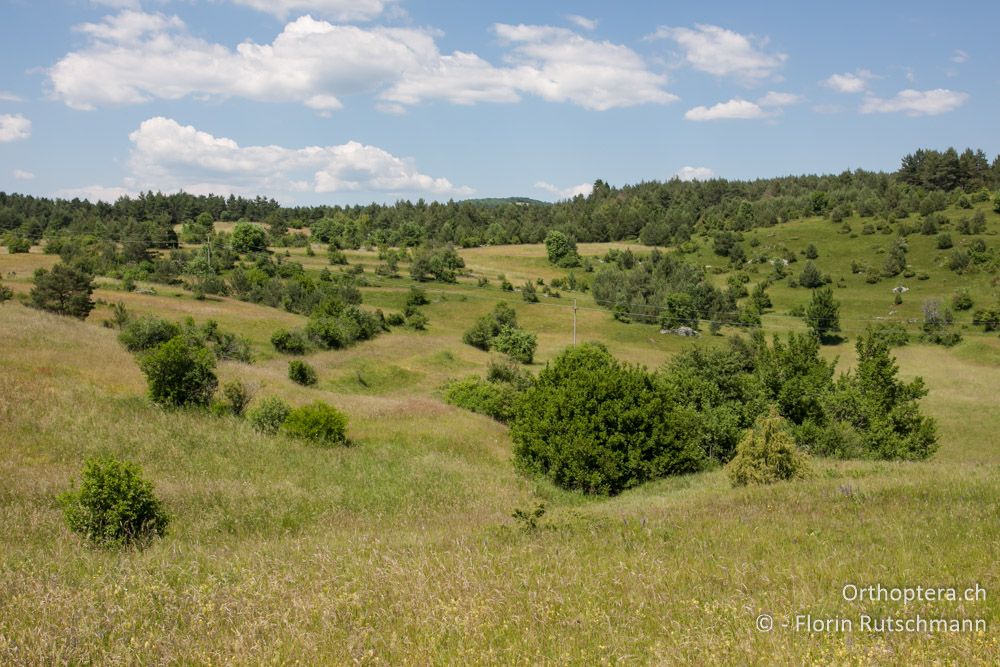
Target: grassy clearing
x=401, y=549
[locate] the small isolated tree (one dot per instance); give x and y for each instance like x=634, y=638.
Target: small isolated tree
x=269, y=415
x=318, y=423
x=5, y=293
x=767, y=454
x=823, y=314
x=516, y=343
x=248, y=237
x=146, y=332
x=180, y=372
x=528, y=292
x=238, y=395
x=301, y=373
x=290, y=342
x=114, y=506
x=811, y=251
x=561, y=249
x=810, y=276
x=64, y=290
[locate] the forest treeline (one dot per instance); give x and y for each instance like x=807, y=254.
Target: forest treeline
x=657, y=213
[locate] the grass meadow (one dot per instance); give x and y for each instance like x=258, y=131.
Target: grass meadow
x=401, y=549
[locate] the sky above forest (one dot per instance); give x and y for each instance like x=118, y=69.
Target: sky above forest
x=353, y=101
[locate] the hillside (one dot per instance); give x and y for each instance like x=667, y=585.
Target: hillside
x=402, y=547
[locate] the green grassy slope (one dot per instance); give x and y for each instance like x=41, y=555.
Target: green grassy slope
x=401, y=549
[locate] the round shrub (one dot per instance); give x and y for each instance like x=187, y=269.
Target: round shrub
x=302, y=373
x=516, y=343
x=594, y=424
x=180, y=372
x=248, y=237
x=269, y=415
x=318, y=423
x=114, y=506
x=767, y=454
x=289, y=342
x=146, y=332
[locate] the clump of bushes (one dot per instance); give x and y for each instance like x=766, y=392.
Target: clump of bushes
x=114, y=506
x=496, y=396
x=290, y=342
x=767, y=454
x=318, y=423
x=498, y=330
x=594, y=424
x=269, y=415
x=146, y=332
x=180, y=373
x=301, y=373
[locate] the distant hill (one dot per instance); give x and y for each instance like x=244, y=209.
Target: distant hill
x=490, y=202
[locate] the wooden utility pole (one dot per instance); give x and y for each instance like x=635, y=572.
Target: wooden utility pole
x=574, y=321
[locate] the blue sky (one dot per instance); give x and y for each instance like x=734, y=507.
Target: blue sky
x=351, y=101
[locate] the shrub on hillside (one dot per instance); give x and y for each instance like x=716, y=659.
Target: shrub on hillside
x=114, y=506
x=6, y=293
x=301, y=373
x=269, y=415
x=487, y=327
x=767, y=454
x=516, y=343
x=146, y=332
x=561, y=249
x=417, y=321
x=528, y=292
x=594, y=424
x=248, y=237
x=289, y=342
x=64, y=290
x=318, y=423
x=179, y=373
x=493, y=399
x=237, y=395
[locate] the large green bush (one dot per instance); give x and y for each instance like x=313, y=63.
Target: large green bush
x=301, y=373
x=493, y=399
x=592, y=423
x=180, y=372
x=248, y=237
x=146, y=332
x=767, y=454
x=516, y=343
x=114, y=505
x=269, y=415
x=289, y=342
x=318, y=423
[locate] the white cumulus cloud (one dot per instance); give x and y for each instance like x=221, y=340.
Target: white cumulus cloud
x=768, y=106
x=849, y=82
x=694, y=174
x=565, y=193
x=135, y=57
x=722, y=52
x=582, y=21
x=916, y=102
x=169, y=156
x=555, y=64
x=773, y=99
x=338, y=10
x=94, y=193
x=22, y=175
x=14, y=127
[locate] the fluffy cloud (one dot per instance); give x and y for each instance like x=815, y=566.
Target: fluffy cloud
x=582, y=21
x=169, y=156
x=22, y=175
x=14, y=128
x=722, y=52
x=849, y=83
x=565, y=193
x=768, y=106
x=134, y=57
x=773, y=99
x=555, y=64
x=694, y=174
x=338, y=10
x=916, y=102
x=9, y=97
x=94, y=193
x=736, y=108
